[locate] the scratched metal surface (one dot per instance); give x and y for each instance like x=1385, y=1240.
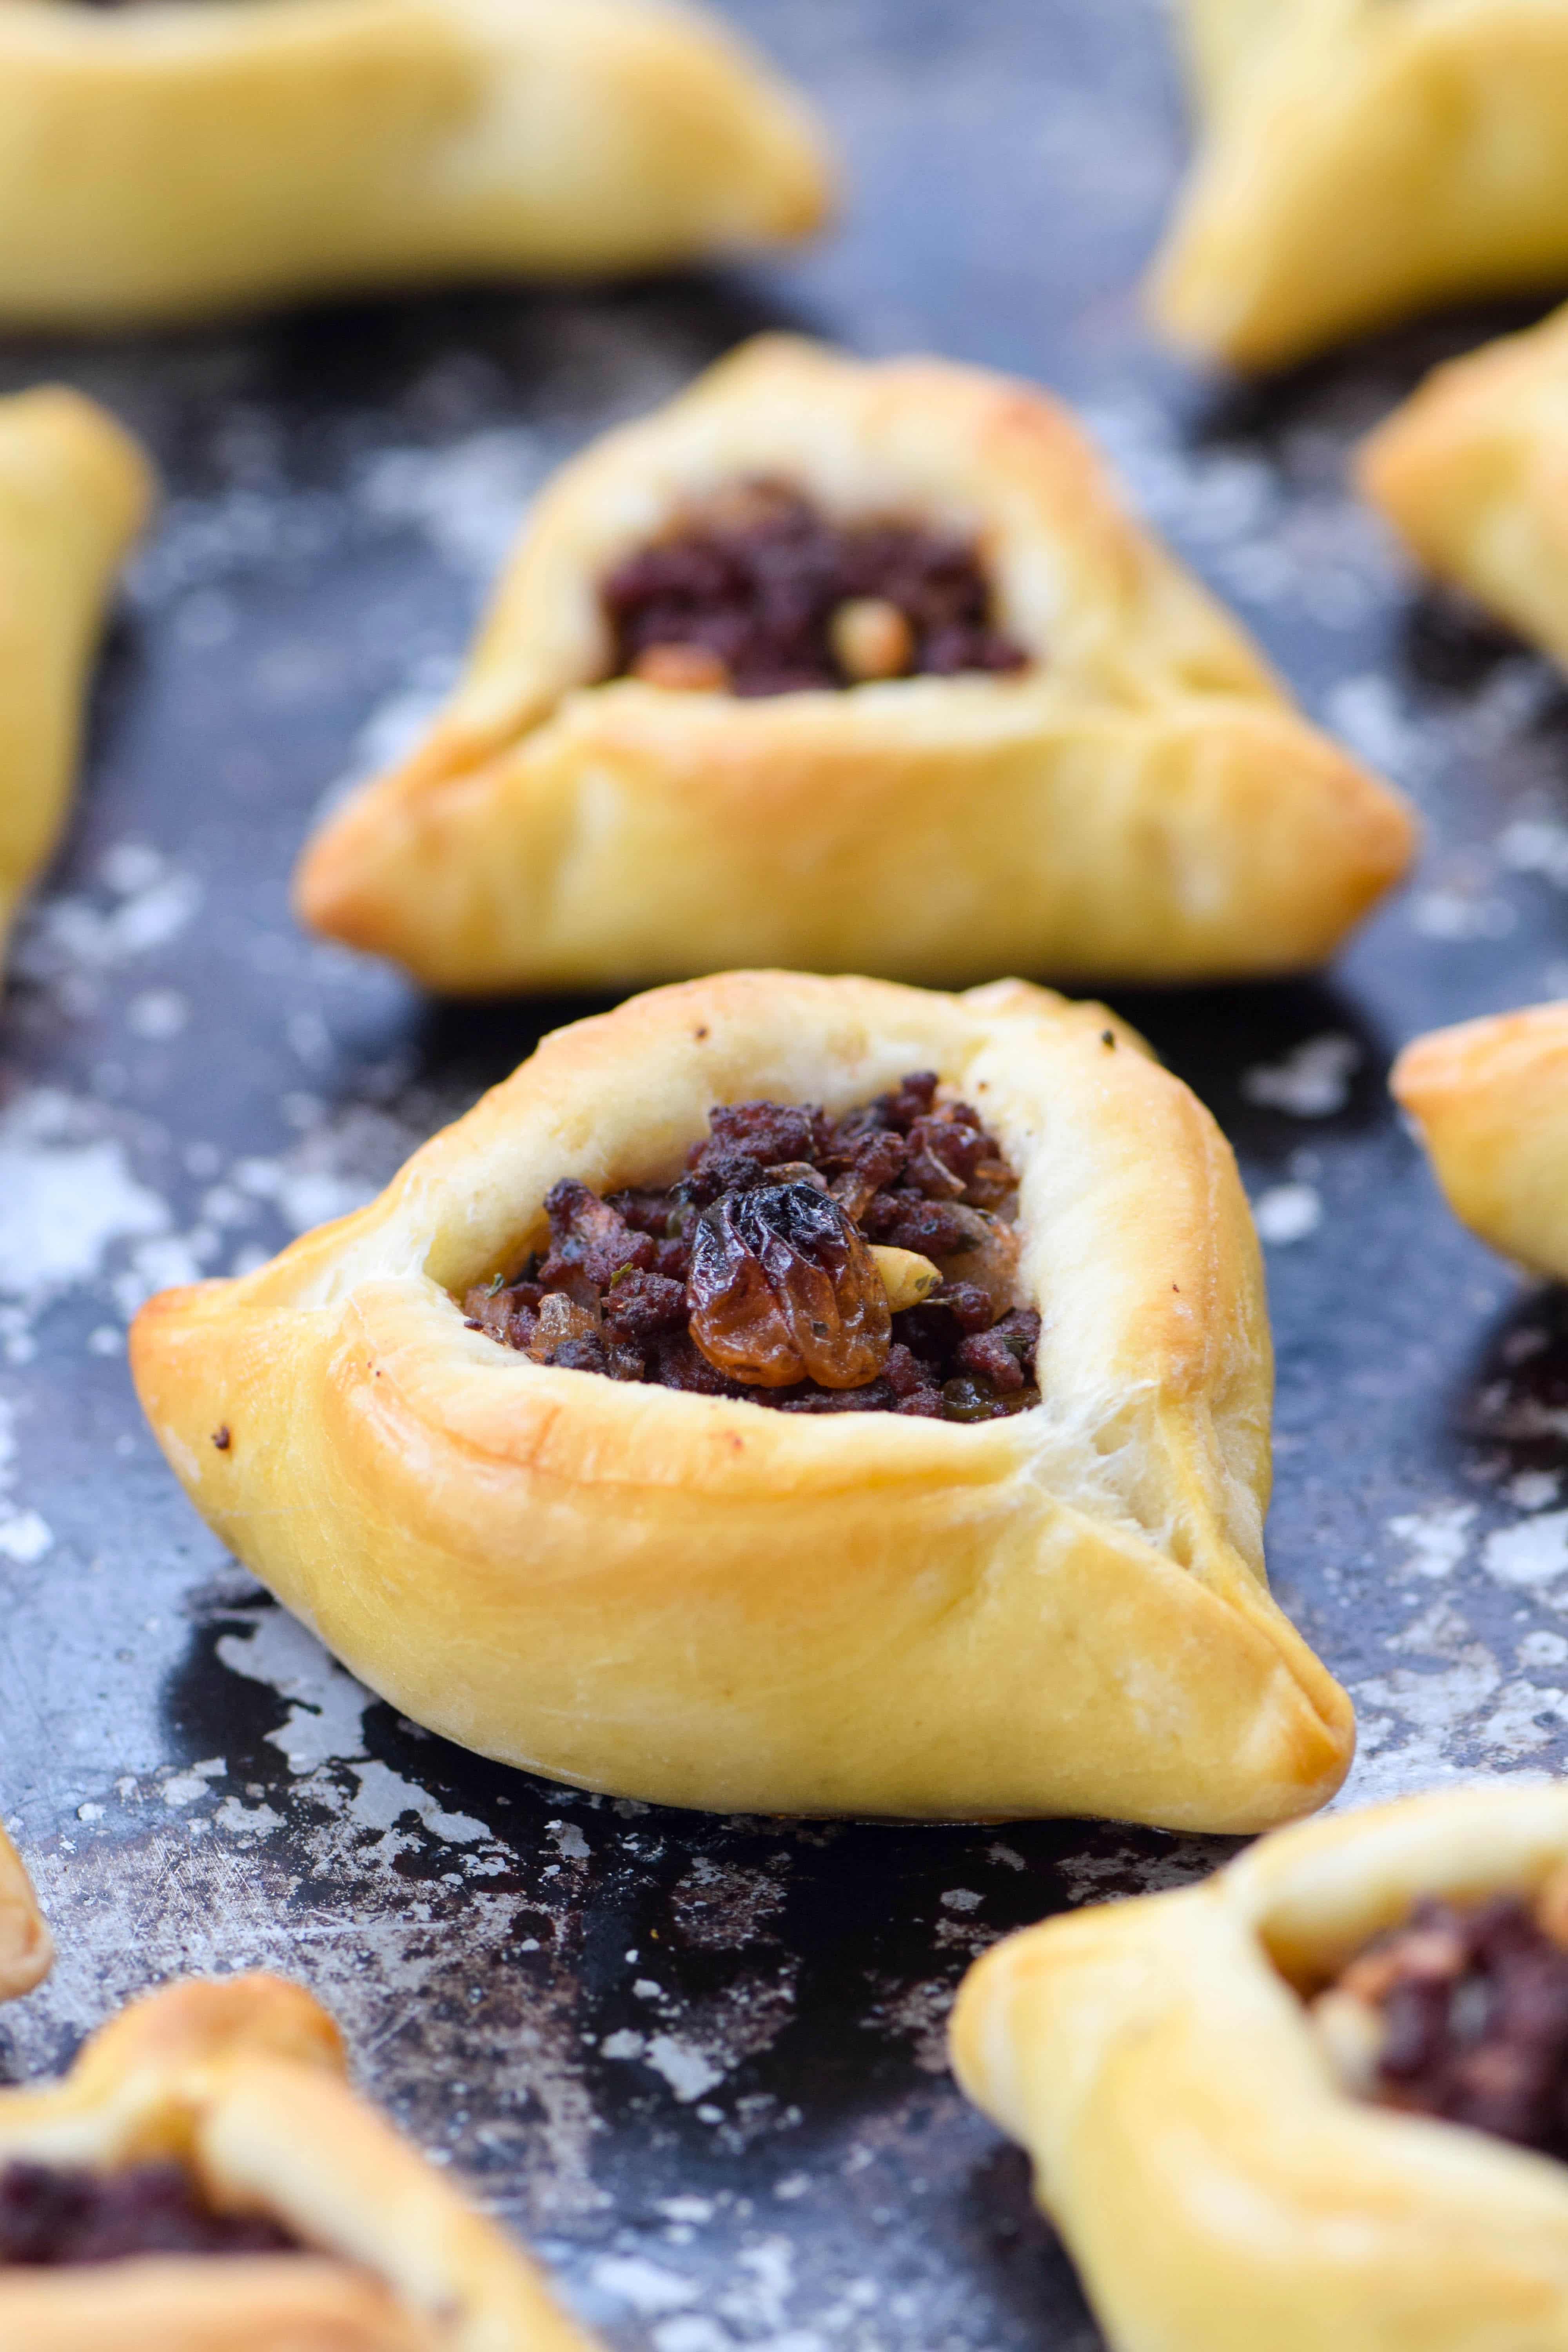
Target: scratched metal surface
x=699, y=2061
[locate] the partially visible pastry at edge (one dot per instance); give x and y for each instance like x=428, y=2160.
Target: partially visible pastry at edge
x=1360, y=159
x=1472, y=471
x=177, y=157
x=854, y=667
x=1490, y=1101
x=203, y=2179
x=790, y=1395
x=26, y=1951
x=74, y=492
x=1318, y=2103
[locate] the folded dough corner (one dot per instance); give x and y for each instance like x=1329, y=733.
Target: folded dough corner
x=1359, y=161
x=689, y=1598
x=1490, y=1100
x=180, y=157
x=1135, y=800
x=74, y=492
x=26, y=1951
x=1472, y=471
x=1220, y=2183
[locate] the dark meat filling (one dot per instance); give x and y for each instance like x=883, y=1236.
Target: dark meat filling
x=59, y=2215
x=758, y=594
x=754, y=1277
x=1471, y=2011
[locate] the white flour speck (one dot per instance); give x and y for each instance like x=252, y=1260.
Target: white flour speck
x=1534, y=1552
x=688, y=2071
x=25, y=1537
x=1437, y=1539
x=647, y=2286
x=67, y=1200
x=1534, y=1489
x=1288, y=1213
x=468, y=498
x=1313, y=1081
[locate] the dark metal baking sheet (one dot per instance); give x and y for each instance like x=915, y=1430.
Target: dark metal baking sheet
x=700, y=2060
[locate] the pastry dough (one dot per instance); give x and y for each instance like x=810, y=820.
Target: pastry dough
x=168, y=160
x=75, y=490
x=1218, y=2188
x=243, y=2080
x=1140, y=803
x=1473, y=472
x=694, y=1601
x=1490, y=1100
x=26, y=1951
x=1361, y=160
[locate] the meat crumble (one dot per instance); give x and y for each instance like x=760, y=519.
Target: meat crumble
x=59, y=2215
x=757, y=593
x=756, y=1275
x=1464, y=2015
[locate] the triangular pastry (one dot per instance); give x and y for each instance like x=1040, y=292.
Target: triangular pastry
x=1275, y=2109
x=75, y=490
x=26, y=1951
x=203, y=2179
x=1360, y=159
x=1472, y=471
x=169, y=159
x=624, y=1438
x=980, y=720
x=1489, y=1099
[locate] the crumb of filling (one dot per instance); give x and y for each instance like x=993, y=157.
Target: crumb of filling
x=755, y=593
x=59, y=2215
x=755, y=1277
x=1462, y=2014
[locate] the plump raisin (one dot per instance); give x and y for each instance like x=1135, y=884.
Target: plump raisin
x=782, y=1288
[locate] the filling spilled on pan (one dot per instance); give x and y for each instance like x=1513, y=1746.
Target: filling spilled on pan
x=865, y=1264
x=756, y=593
x=55, y=2215
x=1462, y=2014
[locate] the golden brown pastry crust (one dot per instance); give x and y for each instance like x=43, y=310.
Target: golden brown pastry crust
x=169, y=160
x=696, y=1601
x=1360, y=159
x=1490, y=1101
x=27, y=1949
x=1472, y=471
x=1144, y=803
x=243, y=2080
x=75, y=490
x=1218, y=2188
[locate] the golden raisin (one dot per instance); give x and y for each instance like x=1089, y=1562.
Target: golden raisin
x=783, y=1287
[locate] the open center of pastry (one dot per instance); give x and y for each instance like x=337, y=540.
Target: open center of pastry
x=1462, y=2014
x=755, y=591
x=56, y=2215
x=865, y=1264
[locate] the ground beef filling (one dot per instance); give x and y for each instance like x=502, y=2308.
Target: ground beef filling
x=1464, y=2014
x=57, y=2215
x=756, y=1276
x=758, y=594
